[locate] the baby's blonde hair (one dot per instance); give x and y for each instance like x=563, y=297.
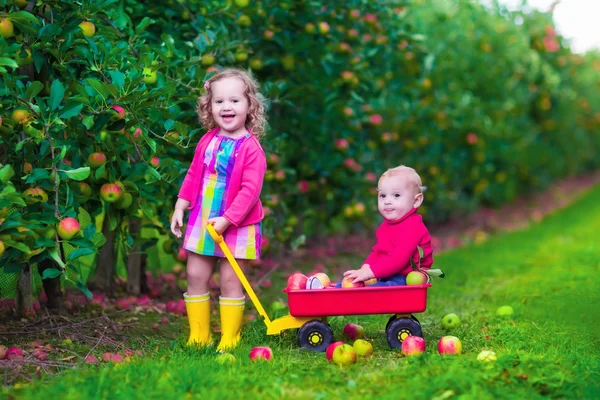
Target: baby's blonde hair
x=411, y=174
x=256, y=119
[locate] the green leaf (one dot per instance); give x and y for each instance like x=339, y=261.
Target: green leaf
x=81, y=286
x=17, y=245
x=113, y=221
x=420, y=252
x=117, y=78
x=84, y=218
x=413, y=265
x=71, y=109
x=8, y=62
x=99, y=239
x=57, y=93
x=436, y=272
x=80, y=253
x=78, y=174
x=51, y=273
x=6, y=173
x=98, y=87
x=169, y=124
x=299, y=241
x=146, y=22
x=54, y=254
x=33, y=89
x=100, y=172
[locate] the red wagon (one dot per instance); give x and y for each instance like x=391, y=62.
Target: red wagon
x=309, y=309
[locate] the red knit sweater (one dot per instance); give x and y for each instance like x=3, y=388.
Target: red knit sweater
x=397, y=242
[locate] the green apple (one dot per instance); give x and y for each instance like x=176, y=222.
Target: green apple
x=363, y=348
x=450, y=321
x=344, y=355
x=504, y=311
x=486, y=356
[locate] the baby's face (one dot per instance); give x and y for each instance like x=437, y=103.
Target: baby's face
x=396, y=196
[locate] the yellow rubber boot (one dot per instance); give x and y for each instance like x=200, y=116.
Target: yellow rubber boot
x=198, y=311
x=232, y=314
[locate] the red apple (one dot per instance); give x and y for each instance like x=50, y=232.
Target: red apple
x=91, y=359
x=449, y=345
x=97, y=159
x=371, y=281
x=341, y=144
x=110, y=192
x=68, y=228
x=182, y=254
x=155, y=162
x=347, y=283
x=413, y=346
x=416, y=278
x=117, y=358
x=85, y=189
x=363, y=348
x=344, y=355
x=297, y=281
x=106, y=357
x=88, y=28
x=261, y=353
x=354, y=331
x=119, y=112
x=14, y=353
x=7, y=29
x=330, y=350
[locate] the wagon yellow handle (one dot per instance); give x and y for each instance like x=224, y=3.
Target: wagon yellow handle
x=218, y=238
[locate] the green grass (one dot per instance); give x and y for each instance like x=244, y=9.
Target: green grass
x=550, y=347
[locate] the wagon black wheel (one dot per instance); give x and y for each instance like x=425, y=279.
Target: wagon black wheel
x=315, y=336
x=401, y=328
x=393, y=317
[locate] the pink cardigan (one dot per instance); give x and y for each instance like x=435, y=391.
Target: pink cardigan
x=243, y=206
x=397, y=243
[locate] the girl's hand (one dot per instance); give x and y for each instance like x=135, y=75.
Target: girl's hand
x=220, y=224
x=360, y=275
x=177, y=222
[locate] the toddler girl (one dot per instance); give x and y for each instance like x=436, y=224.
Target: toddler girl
x=222, y=187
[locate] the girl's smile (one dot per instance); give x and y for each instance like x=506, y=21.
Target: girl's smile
x=230, y=106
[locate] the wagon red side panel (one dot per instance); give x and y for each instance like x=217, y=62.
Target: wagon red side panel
x=358, y=301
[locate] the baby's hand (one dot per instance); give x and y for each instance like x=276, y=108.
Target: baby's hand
x=360, y=275
x=220, y=224
x=177, y=222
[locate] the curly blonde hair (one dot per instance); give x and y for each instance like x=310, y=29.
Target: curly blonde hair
x=256, y=119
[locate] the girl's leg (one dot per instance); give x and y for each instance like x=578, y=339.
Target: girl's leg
x=197, y=298
x=231, y=304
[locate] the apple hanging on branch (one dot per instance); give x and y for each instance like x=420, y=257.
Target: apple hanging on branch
x=419, y=276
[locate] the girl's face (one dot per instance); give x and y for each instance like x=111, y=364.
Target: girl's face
x=397, y=195
x=229, y=106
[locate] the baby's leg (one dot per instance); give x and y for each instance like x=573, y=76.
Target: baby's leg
x=231, y=305
x=199, y=270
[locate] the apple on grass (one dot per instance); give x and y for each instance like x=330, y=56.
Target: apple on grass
x=226, y=358
x=486, y=356
x=449, y=345
x=413, y=346
x=344, y=355
x=354, y=331
x=363, y=348
x=331, y=348
x=262, y=353
x=297, y=281
x=504, y=311
x=450, y=321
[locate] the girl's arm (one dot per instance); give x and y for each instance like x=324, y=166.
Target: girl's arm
x=252, y=180
x=177, y=218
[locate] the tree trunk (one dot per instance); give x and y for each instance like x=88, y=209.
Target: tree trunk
x=103, y=278
x=51, y=285
x=134, y=261
x=24, y=299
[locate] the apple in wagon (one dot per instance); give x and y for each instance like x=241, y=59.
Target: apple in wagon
x=296, y=281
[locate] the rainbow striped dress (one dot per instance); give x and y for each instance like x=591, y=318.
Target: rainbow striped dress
x=243, y=241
